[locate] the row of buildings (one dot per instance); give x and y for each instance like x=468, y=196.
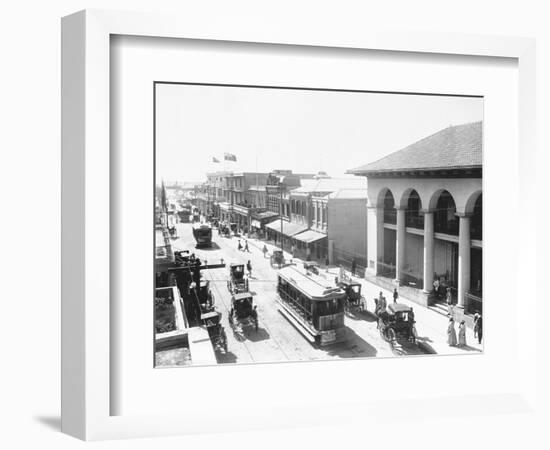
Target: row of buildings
x=412, y=218
x=313, y=215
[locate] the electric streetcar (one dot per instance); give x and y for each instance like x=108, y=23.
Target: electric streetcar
x=314, y=306
x=202, y=234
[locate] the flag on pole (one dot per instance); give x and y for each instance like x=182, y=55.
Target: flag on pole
x=215, y=160
x=229, y=157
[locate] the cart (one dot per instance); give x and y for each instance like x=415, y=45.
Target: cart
x=243, y=312
x=396, y=324
x=237, y=282
x=216, y=331
x=277, y=258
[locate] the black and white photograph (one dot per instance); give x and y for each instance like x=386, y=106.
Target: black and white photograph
x=300, y=224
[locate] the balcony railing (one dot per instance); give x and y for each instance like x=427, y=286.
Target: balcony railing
x=414, y=221
x=390, y=216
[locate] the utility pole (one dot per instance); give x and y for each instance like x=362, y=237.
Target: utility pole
x=281, y=211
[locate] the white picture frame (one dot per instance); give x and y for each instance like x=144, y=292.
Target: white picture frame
x=86, y=254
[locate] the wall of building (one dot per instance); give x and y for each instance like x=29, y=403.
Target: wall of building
x=347, y=229
x=463, y=190
x=414, y=257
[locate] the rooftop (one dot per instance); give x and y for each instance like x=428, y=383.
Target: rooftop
x=330, y=185
x=314, y=286
x=349, y=194
x=455, y=147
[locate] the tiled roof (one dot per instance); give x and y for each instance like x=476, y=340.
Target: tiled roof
x=454, y=147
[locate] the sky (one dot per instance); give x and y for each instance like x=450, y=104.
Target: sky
x=306, y=131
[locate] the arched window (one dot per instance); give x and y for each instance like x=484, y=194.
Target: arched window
x=476, y=222
x=445, y=219
x=390, y=214
x=413, y=217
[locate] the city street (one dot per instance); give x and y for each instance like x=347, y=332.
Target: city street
x=276, y=339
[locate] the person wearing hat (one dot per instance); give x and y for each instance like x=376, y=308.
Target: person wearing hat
x=478, y=327
x=462, y=334
x=451, y=333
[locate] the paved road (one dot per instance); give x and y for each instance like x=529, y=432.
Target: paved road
x=276, y=339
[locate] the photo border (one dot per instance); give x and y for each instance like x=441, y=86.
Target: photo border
x=86, y=191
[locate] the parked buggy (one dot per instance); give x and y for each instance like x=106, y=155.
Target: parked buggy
x=243, y=312
x=237, y=282
x=396, y=324
x=277, y=258
x=355, y=301
x=216, y=331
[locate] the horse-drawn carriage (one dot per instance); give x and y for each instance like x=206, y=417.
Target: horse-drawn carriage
x=277, y=258
x=355, y=301
x=396, y=324
x=243, y=312
x=216, y=331
x=210, y=316
x=237, y=282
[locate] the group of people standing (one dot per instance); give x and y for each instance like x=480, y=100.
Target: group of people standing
x=452, y=339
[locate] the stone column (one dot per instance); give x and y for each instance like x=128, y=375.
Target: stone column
x=375, y=238
x=463, y=258
x=331, y=251
x=400, y=245
x=428, y=272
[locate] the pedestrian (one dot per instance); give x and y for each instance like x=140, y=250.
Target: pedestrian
x=381, y=305
x=239, y=246
x=246, y=249
x=449, y=300
x=451, y=333
x=478, y=327
x=395, y=295
x=327, y=262
x=255, y=317
x=249, y=268
x=353, y=266
x=462, y=334
x=264, y=250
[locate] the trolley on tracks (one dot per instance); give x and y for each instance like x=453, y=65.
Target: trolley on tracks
x=312, y=305
x=202, y=234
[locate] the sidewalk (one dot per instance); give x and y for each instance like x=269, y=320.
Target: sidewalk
x=430, y=325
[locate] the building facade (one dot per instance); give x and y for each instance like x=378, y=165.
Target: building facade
x=307, y=230
x=424, y=216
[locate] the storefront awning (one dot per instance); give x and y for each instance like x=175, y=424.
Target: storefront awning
x=289, y=228
x=310, y=236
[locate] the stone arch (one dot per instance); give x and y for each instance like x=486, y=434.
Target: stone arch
x=471, y=201
x=443, y=204
x=380, y=197
x=474, y=207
